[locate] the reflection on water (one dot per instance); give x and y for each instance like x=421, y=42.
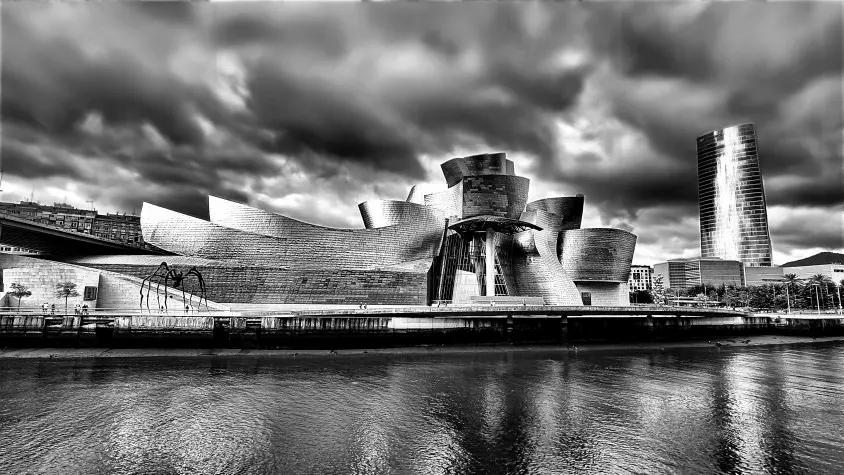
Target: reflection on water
x=749, y=410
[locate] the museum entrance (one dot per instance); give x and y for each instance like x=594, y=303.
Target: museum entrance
x=476, y=260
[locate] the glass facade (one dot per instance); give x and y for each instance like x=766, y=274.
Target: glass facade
x=681, y=274
x=733, y=212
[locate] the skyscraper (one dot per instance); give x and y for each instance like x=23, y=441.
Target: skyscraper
x=733, y=212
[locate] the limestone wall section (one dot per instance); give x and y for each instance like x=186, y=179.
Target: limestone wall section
x=41, y=277
x=263, y=285
x=606, y=293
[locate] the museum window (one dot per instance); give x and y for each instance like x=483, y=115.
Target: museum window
x=90, y=293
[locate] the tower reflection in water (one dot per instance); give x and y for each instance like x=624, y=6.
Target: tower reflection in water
x=703, y=411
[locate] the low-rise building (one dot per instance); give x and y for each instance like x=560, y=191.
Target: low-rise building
x=830, y=264
x=17, y=250
x=756, y=275
x=116, y=227
x=61, y=215
x=681, y=274
x=641, y=278
x=833, y=271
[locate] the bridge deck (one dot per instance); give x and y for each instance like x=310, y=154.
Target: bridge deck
x=21, y=232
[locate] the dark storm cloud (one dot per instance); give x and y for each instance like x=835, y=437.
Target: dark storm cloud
x=505, y=105
x=821, y=228
x=625, y=190
x=230, y=99
x=688, y=69
x=310, y=34
x=50, y=84
x=166, y=11
x=661, y=40
x=25, y=164
x=310, y=117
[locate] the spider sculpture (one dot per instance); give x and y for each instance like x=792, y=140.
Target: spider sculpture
x=167, y=275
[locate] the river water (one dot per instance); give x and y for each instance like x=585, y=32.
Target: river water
x=772, y=409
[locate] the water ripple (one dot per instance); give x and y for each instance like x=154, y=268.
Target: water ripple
x=747, y=410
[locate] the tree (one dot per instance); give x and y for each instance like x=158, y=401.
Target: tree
x=65, y=290
x=792, y=282
x=657, y=291
x=822, y=281
x=19, y=292
x=641, y=296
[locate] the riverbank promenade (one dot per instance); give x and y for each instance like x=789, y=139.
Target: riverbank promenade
x=394, y=326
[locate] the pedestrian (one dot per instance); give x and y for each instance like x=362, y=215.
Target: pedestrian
x=187, y=308
x=53, y=309
x=85, y=309
x=77, y=309
x=44, y=308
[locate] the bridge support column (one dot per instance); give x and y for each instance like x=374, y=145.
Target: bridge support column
x=509, y=328
x=649, y=327
x=564, y=330
x=490, y=262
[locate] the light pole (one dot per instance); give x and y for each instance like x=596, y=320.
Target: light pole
x=787, y=297
x=817, y=299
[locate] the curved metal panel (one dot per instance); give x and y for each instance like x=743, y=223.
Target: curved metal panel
x=496, y=195
x=567, y=211
x=415, y=196
x=450, y=201
x=245, y=234
x=597, y=254
x=382, y=213
x=457, y=169
x=539, y=273
x=454, y=170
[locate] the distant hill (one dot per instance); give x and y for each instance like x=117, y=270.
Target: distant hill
x=820, y=258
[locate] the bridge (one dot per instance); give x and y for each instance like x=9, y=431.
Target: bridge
x=54, y=240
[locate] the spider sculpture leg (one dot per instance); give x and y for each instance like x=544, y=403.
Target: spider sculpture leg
x=167, y=278
x=199, y=278
x=157, y=279
x=148, y=281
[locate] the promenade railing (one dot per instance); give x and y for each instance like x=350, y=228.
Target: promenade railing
x=107, y=312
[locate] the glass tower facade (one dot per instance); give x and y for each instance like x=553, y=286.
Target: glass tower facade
x=733, y=212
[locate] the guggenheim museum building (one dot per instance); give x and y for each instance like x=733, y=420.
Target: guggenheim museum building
x=478, y=239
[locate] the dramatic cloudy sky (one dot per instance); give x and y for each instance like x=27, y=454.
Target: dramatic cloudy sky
x=308, y=109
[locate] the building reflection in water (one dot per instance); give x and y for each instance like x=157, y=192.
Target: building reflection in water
x=701, y=411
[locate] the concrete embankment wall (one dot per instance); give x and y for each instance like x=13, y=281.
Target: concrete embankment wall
x=381, y=331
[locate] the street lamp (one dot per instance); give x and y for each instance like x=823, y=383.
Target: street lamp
x=787, y=297
x=817, y=299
